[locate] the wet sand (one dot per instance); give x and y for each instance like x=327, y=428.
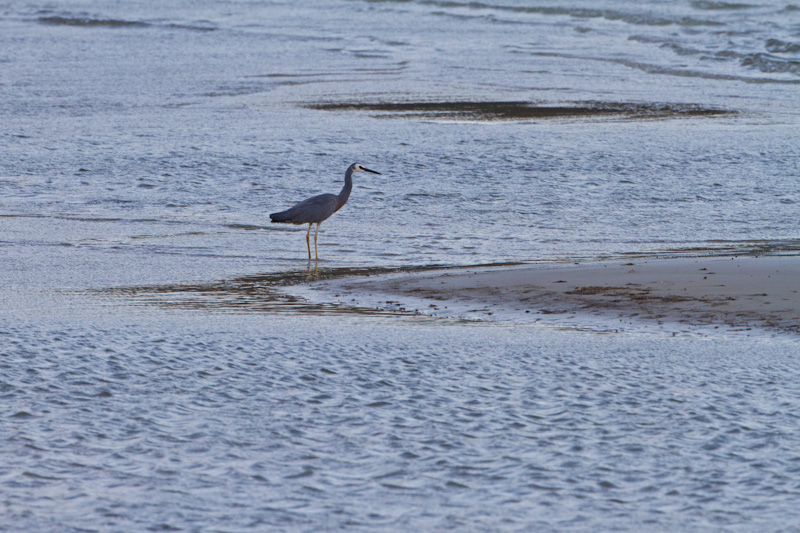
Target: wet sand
x=682, y=293
x=520, y=110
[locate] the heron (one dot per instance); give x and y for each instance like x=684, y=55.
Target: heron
x=317, y=209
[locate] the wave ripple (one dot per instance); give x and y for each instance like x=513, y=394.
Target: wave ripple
x=440, y=428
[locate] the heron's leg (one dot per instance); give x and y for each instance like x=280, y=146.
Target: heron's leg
x=315, y=242
x=308, y=243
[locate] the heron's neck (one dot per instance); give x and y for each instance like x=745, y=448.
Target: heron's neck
x=348, y=186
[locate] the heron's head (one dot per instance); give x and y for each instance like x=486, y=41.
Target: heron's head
x=361, y=168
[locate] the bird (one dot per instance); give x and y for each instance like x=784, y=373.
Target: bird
x=317, y=209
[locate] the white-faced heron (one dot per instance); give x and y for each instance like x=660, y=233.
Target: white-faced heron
x=318, y=208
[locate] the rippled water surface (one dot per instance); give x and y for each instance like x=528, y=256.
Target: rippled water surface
x=185, y=423
x=144, y=145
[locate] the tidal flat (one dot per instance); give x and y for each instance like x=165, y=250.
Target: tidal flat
x=169, y=360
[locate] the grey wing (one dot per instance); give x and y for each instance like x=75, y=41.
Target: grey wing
x=314, y=209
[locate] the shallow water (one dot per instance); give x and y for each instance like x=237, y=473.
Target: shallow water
x=180, y=422
x=154, y=130
x=153, y=378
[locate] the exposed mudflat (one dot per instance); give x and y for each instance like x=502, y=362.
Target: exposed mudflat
x=682, y=293
x=520, y=110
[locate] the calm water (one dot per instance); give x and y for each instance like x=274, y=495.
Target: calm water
x=143, y=146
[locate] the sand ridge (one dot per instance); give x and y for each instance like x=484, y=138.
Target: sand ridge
x=735, y=292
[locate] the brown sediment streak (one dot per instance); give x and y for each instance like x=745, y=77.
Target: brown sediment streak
x=520, y=110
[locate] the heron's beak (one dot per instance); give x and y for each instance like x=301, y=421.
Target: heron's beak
x=368, y=170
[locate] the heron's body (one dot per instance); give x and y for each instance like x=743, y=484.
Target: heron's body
x=319, y=208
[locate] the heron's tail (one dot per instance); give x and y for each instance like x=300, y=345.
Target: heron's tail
x=279, y=217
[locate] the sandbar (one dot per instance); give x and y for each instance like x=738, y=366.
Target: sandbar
x=742, y=293
x=520, y=110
